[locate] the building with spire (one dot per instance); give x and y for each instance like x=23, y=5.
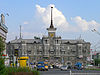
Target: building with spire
x=51, y=48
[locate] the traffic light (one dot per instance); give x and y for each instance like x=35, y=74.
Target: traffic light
x=16, y=52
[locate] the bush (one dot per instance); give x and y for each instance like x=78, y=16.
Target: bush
x=36, y=72
x=20, y=70
x=2, y=65
x=97, y=61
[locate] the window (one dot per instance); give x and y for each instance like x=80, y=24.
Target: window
x=84, y=50
x=52, y=52
x=68, y=47
x=85, y=47
x=57, y=47
x=57, y=41
x=51, y=47
x=68, y=53
x=39, y=52
x=40, y=47
x=73, y=50
x=45, y=41
x=62, y=52
x=29, y=47
x=29, y=52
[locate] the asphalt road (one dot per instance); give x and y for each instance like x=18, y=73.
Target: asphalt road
x=54, y=72
x=73, y=72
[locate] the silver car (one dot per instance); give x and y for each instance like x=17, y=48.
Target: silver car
x=64, y=68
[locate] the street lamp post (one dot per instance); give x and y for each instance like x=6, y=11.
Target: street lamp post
x=20, y=51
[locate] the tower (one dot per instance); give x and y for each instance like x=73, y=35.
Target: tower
x=51, y=29
x=2, y=19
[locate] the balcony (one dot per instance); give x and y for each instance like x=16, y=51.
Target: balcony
x=4, y=27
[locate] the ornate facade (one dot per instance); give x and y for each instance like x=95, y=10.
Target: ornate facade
x=51, y=48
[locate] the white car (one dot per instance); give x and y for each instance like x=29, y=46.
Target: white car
x=88, y=66
x=64, y=68
x=51, y=67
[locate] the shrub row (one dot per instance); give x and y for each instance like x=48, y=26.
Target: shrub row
x=20, y=71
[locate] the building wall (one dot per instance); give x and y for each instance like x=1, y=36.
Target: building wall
x=57, y=52
x=3, y=31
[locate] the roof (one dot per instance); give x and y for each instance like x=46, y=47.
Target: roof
x=64, y=41
x=26, y=41
x=39, y=41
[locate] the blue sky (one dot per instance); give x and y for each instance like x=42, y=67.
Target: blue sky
x=72, y=19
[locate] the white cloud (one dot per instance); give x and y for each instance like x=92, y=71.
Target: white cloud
x=61, y=22
x=25, y=22
x=85, y=25
x=81, y=23
x=58, y=18
x=30, y=35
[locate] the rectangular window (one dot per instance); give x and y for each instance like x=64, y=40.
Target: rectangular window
x=57, y=41
x=40, y=52
x=45, y=41
x=40, y=47
x=52, y=52
x=57, y=47
x=62, y=52
x=29, y=52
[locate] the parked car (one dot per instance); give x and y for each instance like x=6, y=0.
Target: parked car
x=78, y=66
x=64, y=68
x=88, y=66
x=51, y=67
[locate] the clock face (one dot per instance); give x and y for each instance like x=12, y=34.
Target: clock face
x=51, y=34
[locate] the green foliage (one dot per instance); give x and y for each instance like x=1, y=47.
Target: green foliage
x=36, y=72
x=10, y=70
x=2, y=46
x=2, y=65
x=97, y=61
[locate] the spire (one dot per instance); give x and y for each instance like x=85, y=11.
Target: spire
x=51, y=26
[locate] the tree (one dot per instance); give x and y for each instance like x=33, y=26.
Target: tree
x=97, y=61
x=2, y=65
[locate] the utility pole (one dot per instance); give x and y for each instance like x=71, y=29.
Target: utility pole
x=20, y=46
x=94, y=30
x=20, y=33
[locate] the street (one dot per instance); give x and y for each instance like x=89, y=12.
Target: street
x=54, y=72
x=73, y=72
